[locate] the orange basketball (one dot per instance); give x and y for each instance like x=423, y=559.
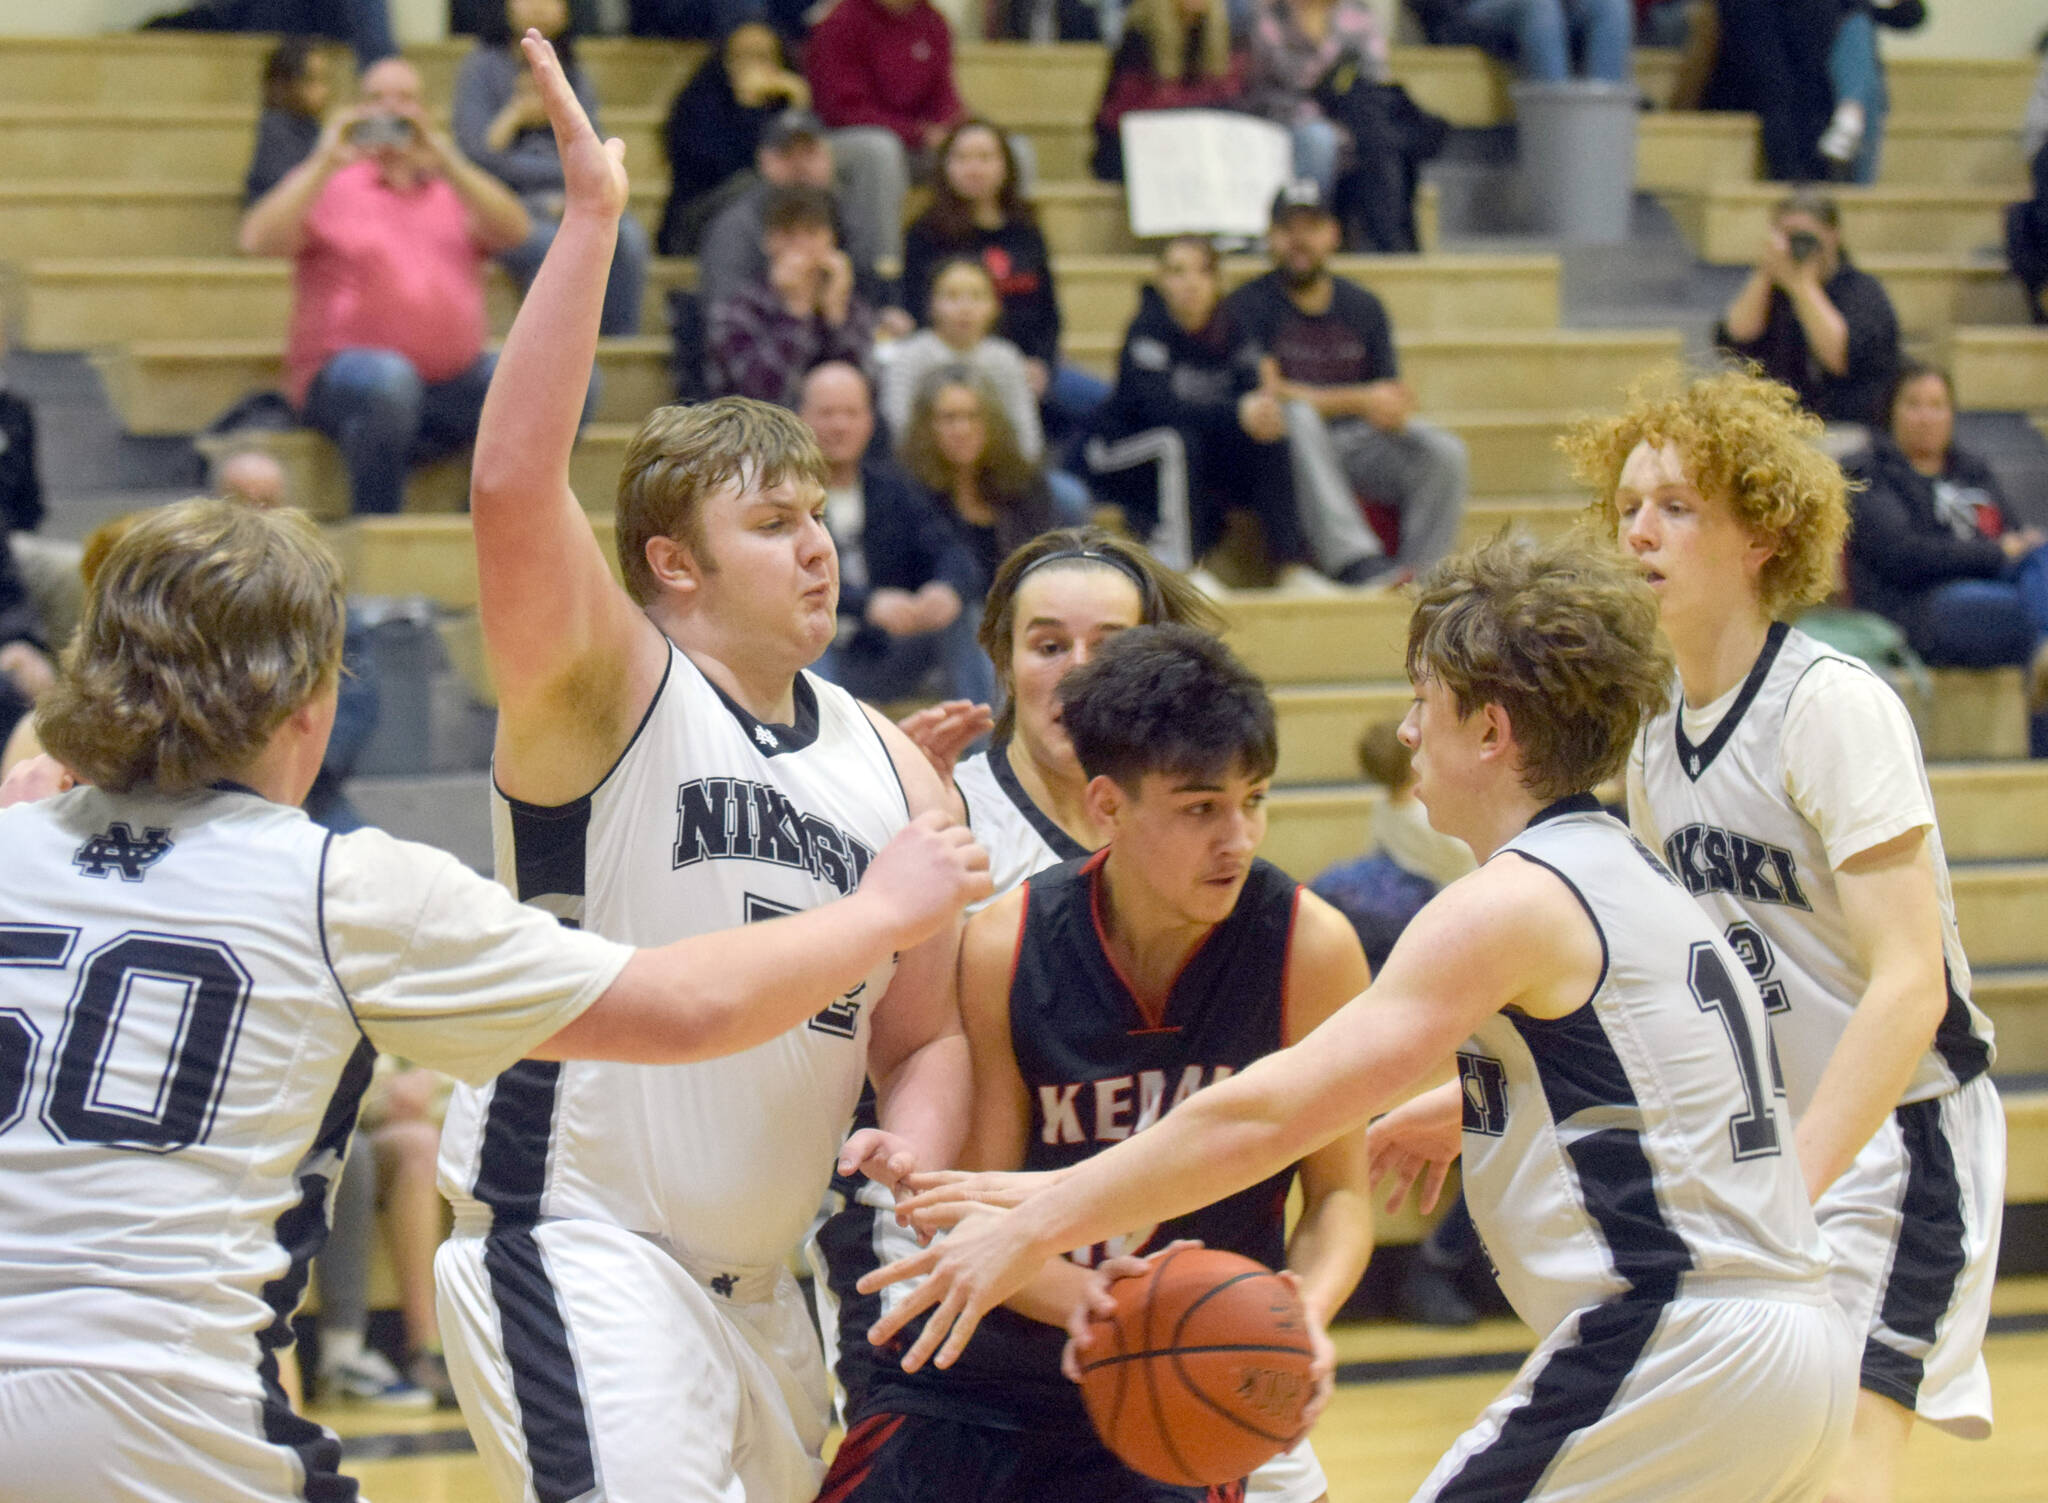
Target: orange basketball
x=1201, y=1375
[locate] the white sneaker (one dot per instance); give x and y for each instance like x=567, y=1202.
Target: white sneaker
x=1300, y=579
x=368, y=1378
x=1844, y=136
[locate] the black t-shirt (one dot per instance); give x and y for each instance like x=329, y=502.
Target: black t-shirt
x=1349, y=344
x=1018, y=263
x=1856, y=397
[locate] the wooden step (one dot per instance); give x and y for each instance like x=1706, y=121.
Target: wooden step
x=431, y=556
x=57, y=220
x=1954, y=146
x=1321, y=640
x=1935, y=293
x=1320, y=727
x=1992, y=811
x=84, y=304
x=2026, y=1145
x=1725, y=223
x=1998, y=911
x=1683, y=150
x=2000, y=369
x=1985, y=87
x=2017, y=1003
x=179, y=386
x=1540, y=516
x=1308, y=830
x=1975, y=714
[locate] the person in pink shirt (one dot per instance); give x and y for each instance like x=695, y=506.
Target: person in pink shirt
x=390, y=228
x=881, y=74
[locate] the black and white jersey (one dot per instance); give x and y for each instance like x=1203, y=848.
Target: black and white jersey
x=1756, y=800
x=1021, y=839
x=1098, y=1067
x=1636, y=1146
x=192, y=992
x=709, y=820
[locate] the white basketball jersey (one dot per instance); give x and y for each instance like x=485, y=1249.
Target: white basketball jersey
x=710, y=819
x=1021, y=839
x=1634, y=1147
x=1732, y=835
x=186, y=985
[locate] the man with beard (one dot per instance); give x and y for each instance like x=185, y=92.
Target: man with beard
x=1328, y=379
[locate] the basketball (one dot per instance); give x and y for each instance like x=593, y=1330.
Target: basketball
x=1201, y=1375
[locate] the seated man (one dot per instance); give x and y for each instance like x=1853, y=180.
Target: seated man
x=766, y=337
x=1814, y=321
x=909, y=589
x=1324, y=373
x=795, y=152
x=390, y=228
x=881, y=76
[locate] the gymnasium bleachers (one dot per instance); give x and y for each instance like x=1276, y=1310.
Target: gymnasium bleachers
x=120, y=166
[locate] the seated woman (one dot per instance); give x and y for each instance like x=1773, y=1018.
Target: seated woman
x=1169, y=449
x=296, y=92
x=1934, y=548
x=715, y=125
x=1540, y=35
x=964, y=314
x=1175, y=55
x=978, y=210
x=502, y=126
x=959, y=445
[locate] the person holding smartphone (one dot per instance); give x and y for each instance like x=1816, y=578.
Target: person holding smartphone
x=1813, y=320
x=766, y=337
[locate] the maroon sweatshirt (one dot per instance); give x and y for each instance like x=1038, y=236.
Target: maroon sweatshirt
x=870, y=65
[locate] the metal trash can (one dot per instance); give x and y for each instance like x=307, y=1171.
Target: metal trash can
x=1577, y=144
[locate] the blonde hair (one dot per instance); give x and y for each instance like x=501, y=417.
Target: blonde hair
x=1163, y=597
x=682, y=455
x=1159, y=22
x=1562, y=635
x=1747, y=442
x=207, y=623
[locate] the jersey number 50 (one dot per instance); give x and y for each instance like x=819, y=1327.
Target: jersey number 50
x=155, y=1090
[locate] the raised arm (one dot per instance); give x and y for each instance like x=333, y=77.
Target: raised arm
x=576, y=663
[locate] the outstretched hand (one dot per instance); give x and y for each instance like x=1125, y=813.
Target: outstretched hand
x=980, y=1265
x=1419, y=1139
x=944, y=730
x=593, y=171
x=936, y=1200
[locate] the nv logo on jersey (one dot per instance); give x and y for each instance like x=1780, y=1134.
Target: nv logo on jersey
x=731, y=819
x=1483, y=1083
x=767, y=738
x=1709, y=859
x=115, y=849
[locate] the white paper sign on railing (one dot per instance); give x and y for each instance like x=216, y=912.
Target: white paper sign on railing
x=1202, y=172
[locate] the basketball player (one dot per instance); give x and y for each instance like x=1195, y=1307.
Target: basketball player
x=194, y=980
x=1786, y=790
x=1099, y=995
x=1050, y=608
x=1624, y=1157
x=616, y=1306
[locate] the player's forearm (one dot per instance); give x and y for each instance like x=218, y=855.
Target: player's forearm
x=1331, y=1245
x=1870, y=1069
x=1052, y=1295
x=718, y=994
x=927, y=1100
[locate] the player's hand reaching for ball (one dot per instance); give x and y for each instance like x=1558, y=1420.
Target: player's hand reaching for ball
x=1419, y=1139
x=1098, y=1304
x=1322, y=1368
x=881, y=1156
x=945, y=730
x=983, y=1262
x=940, y=1199
x=925, y=876
x=593, y=171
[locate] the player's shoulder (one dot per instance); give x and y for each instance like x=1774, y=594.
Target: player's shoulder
x=372, y=868
x=1833, y=691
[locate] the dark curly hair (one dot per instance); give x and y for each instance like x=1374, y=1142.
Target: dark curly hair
x=1168, y=699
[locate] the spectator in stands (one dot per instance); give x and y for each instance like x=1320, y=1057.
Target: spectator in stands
x=26, y=670
x=716, y=124
x=1541, y=36
x=1323, y=372
x=1169, y=450
x=1175, y=55
x=503, y=128
x=2026, y=222
x=364, y=24
x=765, y=338
x=391, y=1166
x=1812, y=320
x=389, y=226
x=1300, y=51
x=1935, y=549
x=909, y=588
x=979, y=210
x=881, y=76
x=713, y=18
x=296, y=91
x=794, y=153
x=964, y=312
x=48, y=567
x=1773, y=62
x=1855, y=134
x=959, y=446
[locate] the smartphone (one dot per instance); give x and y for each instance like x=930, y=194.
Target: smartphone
x=375, y=131
x=1803, y=244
